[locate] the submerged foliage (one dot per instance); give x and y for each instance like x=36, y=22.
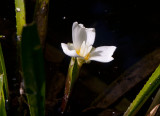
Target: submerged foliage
x=148, y=89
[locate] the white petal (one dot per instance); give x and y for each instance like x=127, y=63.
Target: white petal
x=69, y=50
x=82, y=50
x=78, y=35
x=90, y=36
x=102, y=54
x=88, y=49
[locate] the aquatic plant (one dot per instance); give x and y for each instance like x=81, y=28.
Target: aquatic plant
x=81, y=52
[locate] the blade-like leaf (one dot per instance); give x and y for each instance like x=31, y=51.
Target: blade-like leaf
x=20, y=16
x=147, y=90
x=2, y=101
x=3, y=71
x=33, y=70
x=3, y=84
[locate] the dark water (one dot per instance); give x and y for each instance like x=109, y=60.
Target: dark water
x=130, y=25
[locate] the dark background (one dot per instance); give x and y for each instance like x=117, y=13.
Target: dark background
x=132, y=26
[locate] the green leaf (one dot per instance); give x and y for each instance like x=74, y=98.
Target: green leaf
x=33, y=70
x=3, y=84
x=3, y=71
x=2, y=101
x=20, y=16
x=147, y=90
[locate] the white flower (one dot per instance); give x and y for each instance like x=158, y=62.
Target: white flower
x=83, y=39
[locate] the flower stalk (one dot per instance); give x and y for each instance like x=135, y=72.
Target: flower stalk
x=73, y=72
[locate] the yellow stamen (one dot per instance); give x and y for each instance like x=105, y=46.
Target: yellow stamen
x=87, y=57
x=78, y=52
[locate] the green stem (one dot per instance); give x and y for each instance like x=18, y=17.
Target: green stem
x=73, y=73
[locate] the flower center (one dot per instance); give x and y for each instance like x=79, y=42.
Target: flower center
x=84, y=51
